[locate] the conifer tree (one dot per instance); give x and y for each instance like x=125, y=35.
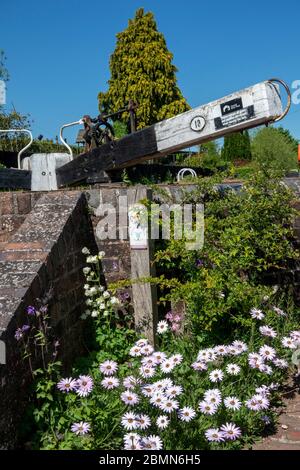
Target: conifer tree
x=142, y=70
x=237, y=146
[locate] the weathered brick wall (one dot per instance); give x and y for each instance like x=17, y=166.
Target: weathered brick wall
x=44, y=253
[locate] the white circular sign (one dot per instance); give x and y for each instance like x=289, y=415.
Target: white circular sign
x=197, y=123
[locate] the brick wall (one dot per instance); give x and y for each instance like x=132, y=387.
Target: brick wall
x=43, y=256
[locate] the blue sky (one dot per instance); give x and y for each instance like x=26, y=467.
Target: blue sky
x=58, y=51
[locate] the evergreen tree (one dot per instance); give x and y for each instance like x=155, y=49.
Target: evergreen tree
x=289, y=137
x=142, y=70
x=237, y=146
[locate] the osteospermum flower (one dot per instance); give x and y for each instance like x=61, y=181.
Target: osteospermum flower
x=84, y=385
x=263, y=390
x=80, y=428
x=110, y=382
x=266, y=369
x=168, y=405
x=279, y=312
x=162, y=327
x=232, y=403
x=186, y=414
x=129, y=382
x=280, y=363
x=148, y=390
x=135, y=351
x=129, y=398
x=255, y=360
x=152, y=443
x=159, y=356
x=67, y=385
x=207, y=408
x=198, y=365
x=214, y=435
x=108, y=367
x=173, y=391
x=231, y=431
x=167, y=366
x=129, y=421
x=267, y=352
x=221, y=350
x=288, y=343
x=132, y=441
x=147, y=372
x=162, y=422
x=143, y=422
x=295, y=335
x=268, y=331
x=233, y=369
x=216, y=375
x=142, y=342
x=256, y=314
x=252, y=404
x=158, y=399
x=147, y=350
x=262, y=401
x=149, y=361
x=176, y=359
x=213, y=393
x=239, y=346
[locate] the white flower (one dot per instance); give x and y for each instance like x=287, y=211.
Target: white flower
x=148, y=390
x=130, y=382
x=176, y=359
x=135, y=351
x=94, y=314
x=186, y=414
x=280, y=363
x=167, y=366
x=207, y=408
x=86, y=270
x=108, y=367
x=101, y=254
x=221, y=350
x=214, y=435
x=147, y=371
x=230, y=431
x=232, y=403
x=149, y=361
x=173, y=391
x=262, y=401
x=268, y=331
x=159, y=356
x=199, y=366
x=279, y=312
x=129, y=421
x=157, y=399
x=213, y=396
x=106, y=294
x=110, y=382
x=143, y=421
x=162, y=327
x=89, y=302
x=85, y=251
x=267, y=352
x=86, y=286
x=257, y=314
x=233, y=369
x=92, y=259
x=141, y=342
x=130, y=398
x=152, y=443
x=114, y=300
x=288, y=343
x=216, y=375
x=162, y=422
x=169, y=405
x=147, y=350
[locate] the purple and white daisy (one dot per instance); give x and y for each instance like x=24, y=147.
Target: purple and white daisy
x=267, y=331
x=143, y=422
x=295, y=335
x=280, y=363
x=176, y=359
x=67, y=385
x=167, y=366
x=233, y=369
x=148, y=390
x=262, y=401
x=159, y=356
x=279, y=312
x=207, y=408
x=214, y=435
x=132, y=441
x=168, y=405
x=266, y=369
x=267, y=353
x=201, y=366
x=80, y=428
x=147, y=350
x=216, y=375
x=142, y=342
x=110, y=382
x=213, y=396
x=255, y=360
x=147, y=372
x=256, y=314
x=173, y=391
x=252, y=404
x=162, y=327
x=108, y=367
x=288, y=343
x=130, y=382
x=135, y=351
x=263, y=390
x=129, y=398
x=221, y=350
x=152, y=443
x=162, y=422
x=31, y=310
x=84, y=385
x=231, y=431
x=232, y=403
x=158, y=399
x=186, y=414
x=166, y=383
x=240, y=346
x=149, y=361
x=129, y=421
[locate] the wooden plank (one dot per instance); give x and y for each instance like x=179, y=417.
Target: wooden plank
x=144, y=294
x=12, y=178
x=245, y=109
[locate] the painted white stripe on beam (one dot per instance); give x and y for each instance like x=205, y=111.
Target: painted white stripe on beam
x=245, y=109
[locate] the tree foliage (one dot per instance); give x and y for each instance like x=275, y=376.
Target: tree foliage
x=142, y=70
x=237, y=147
x=273, y=148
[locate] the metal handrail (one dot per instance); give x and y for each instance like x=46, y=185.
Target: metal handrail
x=26, y=146
x=61, y=135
